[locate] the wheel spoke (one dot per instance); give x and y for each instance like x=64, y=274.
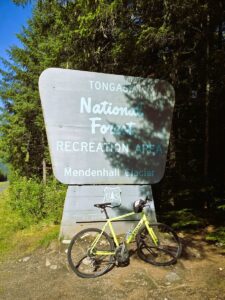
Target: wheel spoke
x=86, y=264
x=166, y=252
x=168, y=249
x=79, y=262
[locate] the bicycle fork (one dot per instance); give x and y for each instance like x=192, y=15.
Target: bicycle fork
x=151, y=231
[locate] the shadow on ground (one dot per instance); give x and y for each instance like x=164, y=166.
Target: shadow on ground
x=45, y=274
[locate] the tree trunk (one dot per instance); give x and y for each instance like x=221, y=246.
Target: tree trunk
x=44, y=172
x=207, y=91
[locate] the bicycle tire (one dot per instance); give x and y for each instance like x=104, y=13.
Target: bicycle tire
x=167, y=250
x=87, y=265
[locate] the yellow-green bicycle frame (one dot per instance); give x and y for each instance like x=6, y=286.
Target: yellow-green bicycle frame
x=128, y=239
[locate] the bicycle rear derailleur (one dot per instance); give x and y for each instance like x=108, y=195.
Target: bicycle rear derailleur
x=122, y=255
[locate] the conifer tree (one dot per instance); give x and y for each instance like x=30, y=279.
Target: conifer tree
x=180, y=41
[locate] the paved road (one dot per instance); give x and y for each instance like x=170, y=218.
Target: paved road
x=3, y=186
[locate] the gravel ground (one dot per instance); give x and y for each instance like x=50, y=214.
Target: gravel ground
x=44, y=274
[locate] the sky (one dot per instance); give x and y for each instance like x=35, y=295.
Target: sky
x=12, y=18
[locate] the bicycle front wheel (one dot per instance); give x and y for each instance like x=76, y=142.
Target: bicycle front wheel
x=161, y=248
x=89, y=262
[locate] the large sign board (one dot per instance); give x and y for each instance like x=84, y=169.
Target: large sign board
x=106, y=129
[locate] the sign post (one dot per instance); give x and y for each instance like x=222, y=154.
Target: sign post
x=105, y=129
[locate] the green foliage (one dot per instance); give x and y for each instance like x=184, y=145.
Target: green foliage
x=10, y=222
x=35, y=200
x=180, y=41
x=21, y=2
x=51, y=234
x=220, y=204
x=16, y=237
x=54, y=196
x=217, y=236
x=23, y=139
x=184, y=219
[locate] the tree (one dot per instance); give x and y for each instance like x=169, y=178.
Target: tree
x=23, y=142
x=180, y=41
x=21, y=2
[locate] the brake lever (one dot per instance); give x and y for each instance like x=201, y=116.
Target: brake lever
x=147, y=199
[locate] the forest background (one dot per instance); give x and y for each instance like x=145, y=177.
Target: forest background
x=182, y=42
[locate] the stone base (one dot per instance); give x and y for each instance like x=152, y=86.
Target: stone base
x=79, y=211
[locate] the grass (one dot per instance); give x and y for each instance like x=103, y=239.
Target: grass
x=15, y=239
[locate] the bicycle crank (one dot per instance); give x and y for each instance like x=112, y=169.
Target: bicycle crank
x=122, y=255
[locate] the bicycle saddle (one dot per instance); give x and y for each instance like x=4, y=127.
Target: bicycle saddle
x=103, y=205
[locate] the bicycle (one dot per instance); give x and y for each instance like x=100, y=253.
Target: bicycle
x=92, y=252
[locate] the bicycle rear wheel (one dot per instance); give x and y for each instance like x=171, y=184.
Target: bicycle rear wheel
x=166, y=248
x=86, y=264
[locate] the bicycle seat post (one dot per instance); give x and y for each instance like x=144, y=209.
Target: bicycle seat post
x=105, y=211
x=103, y=208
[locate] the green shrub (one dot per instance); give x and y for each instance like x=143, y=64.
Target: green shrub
x=54, y=197
x=15, y=239
x=184, y=219
x=10, y=222
x=35, y=200
x=217, y=236
x=50, y=235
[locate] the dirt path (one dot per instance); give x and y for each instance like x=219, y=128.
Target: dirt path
x=200, y=274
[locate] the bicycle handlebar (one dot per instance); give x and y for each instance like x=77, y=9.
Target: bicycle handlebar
x=147, y=199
